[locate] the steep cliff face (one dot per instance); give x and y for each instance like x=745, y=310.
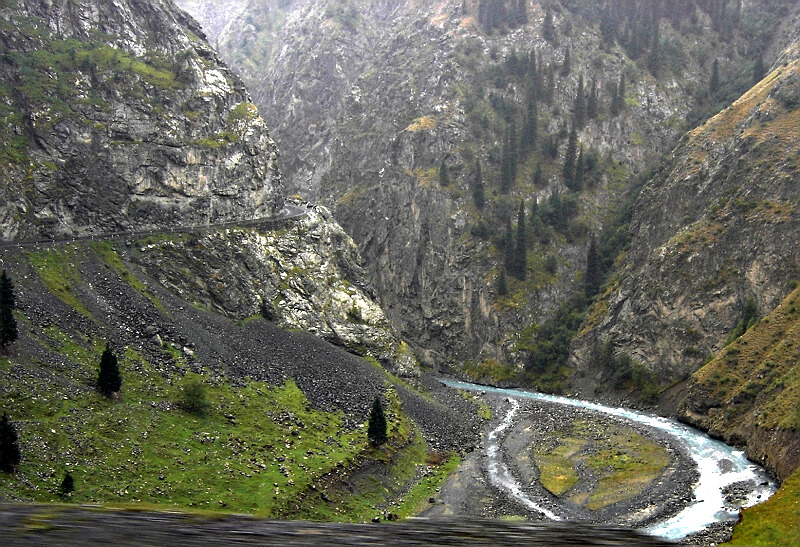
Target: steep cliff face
x=118, y=115
x=716, y=228
x=304, y=274
x=369, y=99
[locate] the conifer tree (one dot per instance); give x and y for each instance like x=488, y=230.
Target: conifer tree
x=502, y=284
x=569, y=159
x=713, y=85
x=10, y=455
x=537, y=175
x=550, y=90
x=548, y=26
x=566, y=66
x=377, y=432
x=592, y=270
x=477, y=187
x=8, y=324
x=758, y=69
x=580, y=105
x=591, y=104
x=580, y=169
x=444, y=176
x=530, y=128
x=109, y=379
x=618, y=100
x=67, y=485
x=521, y=252
x=522, y=12
x=614, y=107
x=508, y=248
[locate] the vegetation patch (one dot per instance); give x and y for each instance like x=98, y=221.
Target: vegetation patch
x=110, y=256
x=596, y=464
x=425, y=123
x=774, y=522
x=59, y=274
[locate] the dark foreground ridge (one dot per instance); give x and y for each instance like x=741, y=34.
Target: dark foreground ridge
x=72, y=525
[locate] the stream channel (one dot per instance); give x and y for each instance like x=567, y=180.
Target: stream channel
x=718, y=464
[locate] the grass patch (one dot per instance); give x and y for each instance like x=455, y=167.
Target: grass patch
x=774, y=522
x=484, y=410
x=59, y=275
x=621, y=463
x=105, y=250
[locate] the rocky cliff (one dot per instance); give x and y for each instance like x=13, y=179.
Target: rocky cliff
x=716, y=228
x=369, y=99
x=118, y=115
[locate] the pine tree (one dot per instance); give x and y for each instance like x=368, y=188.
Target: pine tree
x=109, y=379
x=508, y=165
x=591, y=105
x=502, y=284
x=10, y=455
x=522, y=12
x=444, y=176
x=67, y=485
x=580, y=105
x=477, y=187
x=508, y=248
x=548, y=26
x=618, y=100
x=580, y=169
x=530, y=128
x=592, y=270
x=569, y=159
x=376, y=428
x=758, y=69
x=614, y=107
x=538, y=176
x=521, y=252
x=713, y=85
x=8, y=324
x=566, y=66
x=550, y=91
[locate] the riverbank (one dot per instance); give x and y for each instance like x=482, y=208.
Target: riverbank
x=594, y=482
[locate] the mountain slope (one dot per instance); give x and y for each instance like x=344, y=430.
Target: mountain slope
x=714, y=230
x=371, y=99
x=132, y=86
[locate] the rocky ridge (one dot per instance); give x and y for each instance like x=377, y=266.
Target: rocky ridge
x=131, y=86
x=715, y=228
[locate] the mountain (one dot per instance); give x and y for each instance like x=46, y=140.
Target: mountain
x=143, y=211
x=170, y=131
x=369, y=99
x=713, y=250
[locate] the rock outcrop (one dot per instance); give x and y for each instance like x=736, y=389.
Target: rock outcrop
x=369, y=99
x=716, y=228
x=118, y=116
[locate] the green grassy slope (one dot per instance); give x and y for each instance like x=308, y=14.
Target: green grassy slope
x=261, y=447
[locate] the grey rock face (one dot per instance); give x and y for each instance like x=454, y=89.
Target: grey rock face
x=124, y=118
x=718, y=226
x=367, y=99
x=304, y=275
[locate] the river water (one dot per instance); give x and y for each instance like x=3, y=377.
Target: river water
x=718, y=464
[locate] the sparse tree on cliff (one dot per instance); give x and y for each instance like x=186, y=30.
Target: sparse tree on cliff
x=376, y=428
x=109, y=379
x=521, y=251
x=10, y=455
x=444, y=175
x=8, y=324
x=502, y=284
x=477, y=187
